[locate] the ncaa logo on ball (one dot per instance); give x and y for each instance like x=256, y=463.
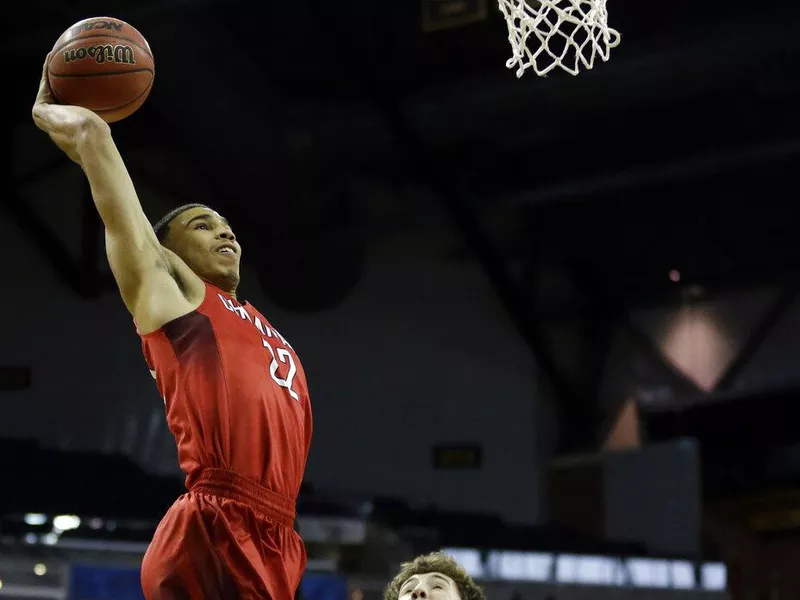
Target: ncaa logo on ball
x=103, y=54
x=95, y=25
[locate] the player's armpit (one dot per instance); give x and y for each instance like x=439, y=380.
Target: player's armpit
x=154, y=292
x=191, y=286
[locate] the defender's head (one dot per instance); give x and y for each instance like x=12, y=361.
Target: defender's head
x=433, y=577
x=204, y=240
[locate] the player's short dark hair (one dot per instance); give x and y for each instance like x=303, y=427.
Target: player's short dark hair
x=437, y=562
x=162, y=225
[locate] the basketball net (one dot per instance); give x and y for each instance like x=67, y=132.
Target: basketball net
x=545, y=34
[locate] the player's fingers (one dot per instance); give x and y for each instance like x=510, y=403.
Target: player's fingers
x=44, y=95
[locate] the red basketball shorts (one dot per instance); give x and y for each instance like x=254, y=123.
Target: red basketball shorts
x=227, y=538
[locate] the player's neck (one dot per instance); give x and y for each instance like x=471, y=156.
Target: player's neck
x=226, y=286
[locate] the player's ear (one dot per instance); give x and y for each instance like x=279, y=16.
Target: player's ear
x=170, y=234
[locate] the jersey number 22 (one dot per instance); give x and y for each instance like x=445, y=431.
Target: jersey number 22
x=285, y=357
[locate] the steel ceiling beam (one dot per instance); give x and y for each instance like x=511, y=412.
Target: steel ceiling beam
x=54, y=251
x=35, y=228
x=771, y=319
x=658, y=174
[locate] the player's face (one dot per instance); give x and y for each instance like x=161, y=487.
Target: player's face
x=207, y=244
x=429, y=586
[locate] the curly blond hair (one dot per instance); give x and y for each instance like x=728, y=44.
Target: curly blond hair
x=435, y=562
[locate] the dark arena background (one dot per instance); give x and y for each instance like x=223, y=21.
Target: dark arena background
x=551, y=325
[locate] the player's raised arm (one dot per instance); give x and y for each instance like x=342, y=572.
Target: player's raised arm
x=141, y=267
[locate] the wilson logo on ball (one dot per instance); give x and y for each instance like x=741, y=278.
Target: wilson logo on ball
x=102, y=54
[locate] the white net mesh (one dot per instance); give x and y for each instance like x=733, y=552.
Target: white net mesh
x=545, y=34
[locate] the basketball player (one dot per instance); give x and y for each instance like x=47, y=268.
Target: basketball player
x=235, y=393
x=433, y=576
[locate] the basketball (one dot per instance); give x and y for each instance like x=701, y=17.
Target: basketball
x=102, y=64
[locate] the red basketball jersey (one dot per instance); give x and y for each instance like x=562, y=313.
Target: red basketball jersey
x=235, y=393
